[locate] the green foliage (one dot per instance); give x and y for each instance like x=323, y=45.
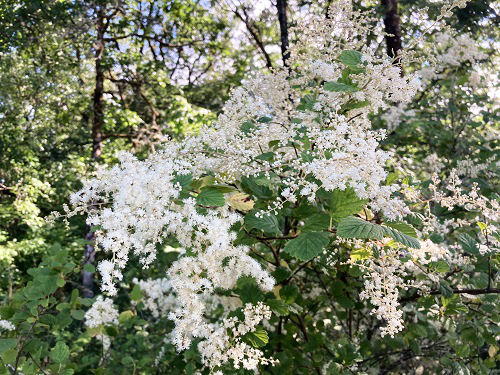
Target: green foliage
x=307, y=245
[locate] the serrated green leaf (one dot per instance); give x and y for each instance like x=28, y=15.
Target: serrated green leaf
x=468, y=243
x=257, y=338
x=440, y=266
x=316, y=223
x=308, y=245
x=402, y=227
x=184, y=180
x=259, y=191
x=211, y=197
x=247, y=127
x=250, y=293
x=345, y=203
x=339, y=87
x=350, y=58
x=391, y=177
x=278, y=307
x=127, y=360
x=353, y=227
x=281, y=274
x=267, y=223
x=401, y=237
x=60, y=352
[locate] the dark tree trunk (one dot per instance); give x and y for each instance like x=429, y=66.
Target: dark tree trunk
x=392, y=27
x=282, y=18
x=97, y=138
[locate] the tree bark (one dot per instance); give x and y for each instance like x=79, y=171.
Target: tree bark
x=281, y=5
x=97, y=139
x=393, y=27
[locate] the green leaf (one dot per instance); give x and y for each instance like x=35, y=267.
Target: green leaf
x=307, y=102
x=391, y=177
x=469, y=244
x=289, y=293
x=308, y=245
x=350, y=58
x=60, y=352
x=354, y=105
x=184, y=180
x=125, y=315
x=440, y=266
x=259, y=191
x=345, y=203
x=353, y=227
x=127, y=360
x=278, y=307
x=281, y=274
x=268, y=223
x=6, y=344
x=316, y=223
x=265, y=120
x=210, y=197
x=418, y=330
x=258, y=338
x=345, y=302
x=78, y=314
x=247, y=127
x=444, y=289
x=402, y=227
x=136, y=293
x=339, y=87
x=250, y=293
x=360, y=254
x=401, y=237
x=111, y=331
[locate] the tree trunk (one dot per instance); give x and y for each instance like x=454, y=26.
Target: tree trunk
x=282, y=18
x=392, y=27
x=97, y=138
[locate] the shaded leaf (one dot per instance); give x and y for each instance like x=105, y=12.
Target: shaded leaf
x=211, y=197
x=308, y=245
x=60, y=352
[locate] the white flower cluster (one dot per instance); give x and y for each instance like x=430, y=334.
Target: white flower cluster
x=471, y=200
x=101, y=313
x=474, y=168
x=451, y=51
x=158, y=296
x=221, y=348
x=382, y=282
x=8, y=326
